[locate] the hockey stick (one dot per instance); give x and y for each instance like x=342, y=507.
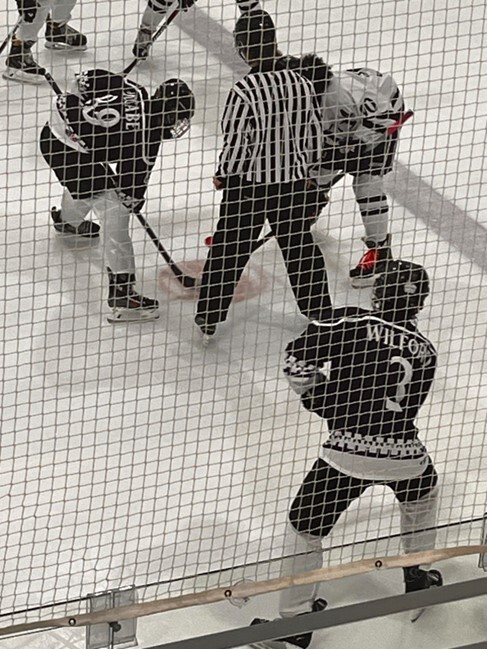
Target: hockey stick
x=161, y=29
x=10, y=34
x=186, y=280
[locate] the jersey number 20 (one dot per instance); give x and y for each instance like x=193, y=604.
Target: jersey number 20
x=106, y=117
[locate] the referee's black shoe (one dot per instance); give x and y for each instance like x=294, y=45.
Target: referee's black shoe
x=208, y=330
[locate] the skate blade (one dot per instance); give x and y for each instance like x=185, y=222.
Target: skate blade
x=23, y=77
x=416, y=614
x=269, y=644
x=63, y=46
x=132, y=315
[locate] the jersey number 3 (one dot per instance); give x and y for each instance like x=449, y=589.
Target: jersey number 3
x=394, y=404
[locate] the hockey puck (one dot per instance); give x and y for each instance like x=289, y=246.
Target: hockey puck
x=209, y=241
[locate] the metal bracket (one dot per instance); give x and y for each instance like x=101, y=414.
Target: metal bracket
x=113, y=634
x=483, y=541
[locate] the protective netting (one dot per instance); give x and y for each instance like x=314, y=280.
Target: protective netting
x=131, y=453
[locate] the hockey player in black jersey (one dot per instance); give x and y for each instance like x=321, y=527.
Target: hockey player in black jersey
x=367, y=374
x=155, y=12
x=102, y=142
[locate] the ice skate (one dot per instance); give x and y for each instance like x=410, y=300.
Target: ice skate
x=127, y=305
x=60, y=36
x=416, y=579
x=143, y=43
x=372, y=264
x=301, y=641
x=86, y=229
x=21, y=65
x=207, y=330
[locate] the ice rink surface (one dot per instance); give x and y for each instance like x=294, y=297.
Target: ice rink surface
x=131, y=454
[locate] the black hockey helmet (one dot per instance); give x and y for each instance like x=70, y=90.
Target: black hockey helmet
x=400, y=292
x=317, y=71
x=178, y=106
x=310, y=66
x=255, y=36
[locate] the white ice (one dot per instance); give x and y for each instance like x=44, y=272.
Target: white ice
x=130, y=454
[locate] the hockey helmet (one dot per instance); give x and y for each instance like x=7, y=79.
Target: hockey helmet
x=317, y=71
x=255, y=35
x=400, y=292
x=178, y=106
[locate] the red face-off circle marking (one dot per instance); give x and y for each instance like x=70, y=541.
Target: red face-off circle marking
x=252, y=283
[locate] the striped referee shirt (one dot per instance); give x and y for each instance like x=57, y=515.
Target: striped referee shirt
x=271, y=127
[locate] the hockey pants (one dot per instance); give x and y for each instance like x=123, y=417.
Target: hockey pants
x=324, y=495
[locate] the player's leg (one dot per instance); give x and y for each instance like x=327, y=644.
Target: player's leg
x=59, y=34
x=153, y=15
x=289, y=218
x=127, y=304
x=322, y=498
x=80, y=179
x=374, y=209
x=418, y=503
x=20, y=64
x=368, y=186
x=241, y=220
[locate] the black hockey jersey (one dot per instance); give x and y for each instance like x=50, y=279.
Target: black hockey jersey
x=114, y=120
x=362, y=374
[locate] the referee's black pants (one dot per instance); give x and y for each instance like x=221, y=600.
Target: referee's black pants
x=243, y=212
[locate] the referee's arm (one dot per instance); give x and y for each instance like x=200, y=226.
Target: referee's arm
x=315, y=136
x=234, y=128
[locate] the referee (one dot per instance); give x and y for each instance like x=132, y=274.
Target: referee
x=272, y=137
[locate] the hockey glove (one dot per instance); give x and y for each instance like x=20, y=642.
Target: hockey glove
x=132, y=203
x=184, y=5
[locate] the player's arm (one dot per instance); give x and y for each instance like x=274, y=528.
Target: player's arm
x=308, y=357
x=139, y=155
x=133, y=175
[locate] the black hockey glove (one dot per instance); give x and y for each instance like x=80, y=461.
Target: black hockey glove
x=184, y=5
x=132, y=203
